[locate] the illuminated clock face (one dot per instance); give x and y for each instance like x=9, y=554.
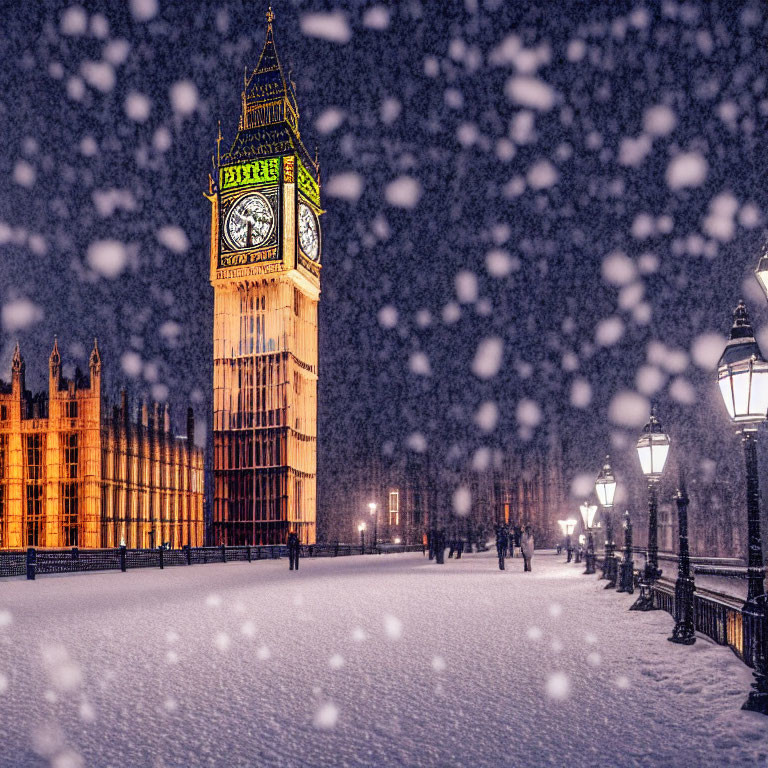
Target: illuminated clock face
x=250, y=222
x=309, y=233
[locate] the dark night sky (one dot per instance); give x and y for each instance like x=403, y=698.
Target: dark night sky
x=483, y=163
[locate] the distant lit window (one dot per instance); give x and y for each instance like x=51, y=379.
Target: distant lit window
x=394, y=508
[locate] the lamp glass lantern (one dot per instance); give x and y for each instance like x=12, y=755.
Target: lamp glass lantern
x=361, y=527
x=742, y=373
x=605, y=485
x=588, y=514
x=761, y=270
x=570, y=524
x=582, y=539
x=653, y=449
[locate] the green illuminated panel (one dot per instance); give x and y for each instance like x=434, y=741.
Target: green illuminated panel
x=308, y=185
x=258, y=172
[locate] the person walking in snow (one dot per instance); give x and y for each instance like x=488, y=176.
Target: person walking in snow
x=526, y=546
x=511, y=541
x=293, y=550
x=440, y=546
x=501, y=544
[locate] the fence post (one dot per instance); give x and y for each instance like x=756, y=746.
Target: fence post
x=188, y=553
x=248, y=550
x=336, y=550
x=75, y=553
x=31, y=563
x=160, y=550
x=223, y=553
x=122, y=557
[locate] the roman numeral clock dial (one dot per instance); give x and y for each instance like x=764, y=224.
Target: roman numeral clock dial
x=250, y=222
x=309, y=232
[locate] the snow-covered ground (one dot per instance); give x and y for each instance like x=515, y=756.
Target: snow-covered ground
x=359, y=661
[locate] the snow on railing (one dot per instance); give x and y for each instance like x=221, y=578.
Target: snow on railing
x=36, y=562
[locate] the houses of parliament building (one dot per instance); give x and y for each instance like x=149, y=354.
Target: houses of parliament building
x=75, y=473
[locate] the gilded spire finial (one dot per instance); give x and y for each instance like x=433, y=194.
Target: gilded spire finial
x=55, y=356
x=95, y=358
x=270, y=16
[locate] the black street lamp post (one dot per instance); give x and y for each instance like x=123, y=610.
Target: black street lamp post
x=652, y=450
x=742, y=375
x=579, y=548
x=361, y=529
x=567, y=526
x=374, y=514
x=588, y=516
x=684, y=632
x=605, y=488
x=627, y=580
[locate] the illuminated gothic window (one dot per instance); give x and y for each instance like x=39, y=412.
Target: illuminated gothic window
x=34, y=488
x=68, y=492
x=394, y=508
x=3, y=487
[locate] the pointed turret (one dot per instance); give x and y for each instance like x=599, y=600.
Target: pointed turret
x=269, y=118
x=54, y=367
x=18, y=369
x=55, y=358
x=268, y=86
x=94, y=364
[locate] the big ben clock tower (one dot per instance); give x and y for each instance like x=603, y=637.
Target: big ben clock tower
x=265, y=273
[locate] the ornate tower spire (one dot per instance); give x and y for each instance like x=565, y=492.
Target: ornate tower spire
x=17, y=372
x=54, y=366
x=95, y=359
x=94, y=364
x=18, y=361
x=269, y=117
x=55, y=358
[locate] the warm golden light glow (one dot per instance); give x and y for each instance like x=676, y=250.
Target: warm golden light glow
x=75, y=474
x=266, y=293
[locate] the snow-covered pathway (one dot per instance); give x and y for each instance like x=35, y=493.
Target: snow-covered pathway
x=359, y=661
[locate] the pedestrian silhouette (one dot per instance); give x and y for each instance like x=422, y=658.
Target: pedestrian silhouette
x=526, y=546
x=502, y=535
x=294, y=548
